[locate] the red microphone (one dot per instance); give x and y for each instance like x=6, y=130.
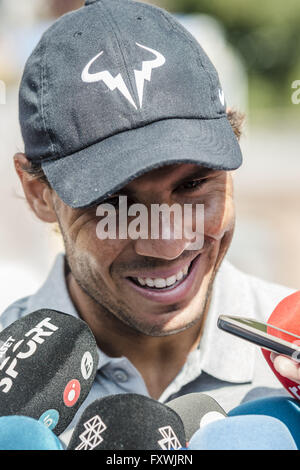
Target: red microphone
x=287, y=317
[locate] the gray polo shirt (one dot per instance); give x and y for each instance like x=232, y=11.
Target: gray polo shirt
x=227, y=368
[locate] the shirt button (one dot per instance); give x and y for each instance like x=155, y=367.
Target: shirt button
x=120, y=375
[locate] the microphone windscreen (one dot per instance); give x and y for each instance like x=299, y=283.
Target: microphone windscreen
x=128, y=422
x=23, y=433
x=196, y=410
x=286, y=409
x=243, y=433
x=287, y=317
x=48, y=361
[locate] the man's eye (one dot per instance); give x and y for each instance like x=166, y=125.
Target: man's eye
x=192, y=185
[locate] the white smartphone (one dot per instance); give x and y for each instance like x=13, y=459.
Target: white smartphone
x=261, y=334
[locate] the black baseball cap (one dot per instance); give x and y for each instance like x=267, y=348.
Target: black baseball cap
x=114, y=90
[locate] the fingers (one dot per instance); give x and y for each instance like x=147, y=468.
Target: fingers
x=286, y=367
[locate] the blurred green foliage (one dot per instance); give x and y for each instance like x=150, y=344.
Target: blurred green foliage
x=266, y=33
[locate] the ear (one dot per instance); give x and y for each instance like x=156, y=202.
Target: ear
x=38, y=194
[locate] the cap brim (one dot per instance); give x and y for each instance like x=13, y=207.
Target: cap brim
x=92, y=174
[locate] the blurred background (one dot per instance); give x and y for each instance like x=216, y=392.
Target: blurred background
x=255, y=47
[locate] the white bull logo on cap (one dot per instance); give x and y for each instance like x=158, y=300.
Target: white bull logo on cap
x=118, y=82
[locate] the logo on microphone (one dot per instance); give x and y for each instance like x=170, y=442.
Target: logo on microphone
x=295, y=391
x=25, y=348
x=71, y=393
x=170, y=440
x=50, y=418
x=87, y=365
x=4, y=347
x=91, y=437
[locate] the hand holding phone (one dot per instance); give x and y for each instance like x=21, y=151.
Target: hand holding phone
x=263, y=335
x=279, y=339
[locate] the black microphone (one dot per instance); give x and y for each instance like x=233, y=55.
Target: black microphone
x=196, y=410
x=48, y=362
x=128, y=422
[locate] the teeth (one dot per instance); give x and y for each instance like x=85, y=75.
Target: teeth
x=171, y=280
x=149, y=282
x=161, y=283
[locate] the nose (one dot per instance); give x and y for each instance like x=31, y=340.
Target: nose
x=168, y=242
x=164, y=249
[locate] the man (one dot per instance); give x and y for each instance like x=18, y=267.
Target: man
x=119, y=100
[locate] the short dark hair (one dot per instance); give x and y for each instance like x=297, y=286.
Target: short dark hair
x=236, y=119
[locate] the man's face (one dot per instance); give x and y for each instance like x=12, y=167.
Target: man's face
x=120, y=275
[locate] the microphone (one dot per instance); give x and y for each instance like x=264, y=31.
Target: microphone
x=286, y=409
x=287, y=317
x=196, y=410
x=243, y=433
x=128, y=422
x=48, y=361
x=23, y=433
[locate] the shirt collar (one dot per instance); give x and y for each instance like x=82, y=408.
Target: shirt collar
x=222, y=356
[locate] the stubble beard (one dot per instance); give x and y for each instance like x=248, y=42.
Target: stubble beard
x=109, y=307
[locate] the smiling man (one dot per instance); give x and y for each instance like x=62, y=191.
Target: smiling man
x=118, y=99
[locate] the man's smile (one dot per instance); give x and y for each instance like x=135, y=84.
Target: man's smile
x=167, y=289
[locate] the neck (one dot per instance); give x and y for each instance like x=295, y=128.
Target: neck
x=158, y=359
